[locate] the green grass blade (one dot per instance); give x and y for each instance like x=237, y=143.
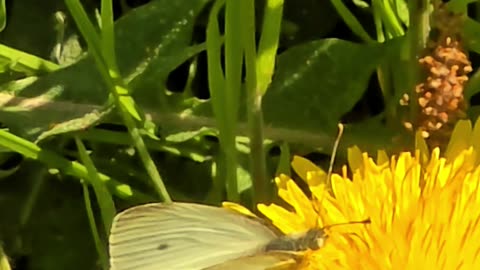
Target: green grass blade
x=216, y=80
x=109, y=71
x=259, y=71
x=268, y=45
x=147, y=160
x=216, y=83
x=108, y=35
x=233, y=83
x=416, y=43
x=26, y=61
x=377, y=19
x=101, y=250
x=32, y=198
x=393, y=26
x=350, y=20
x=31, y=150
x=3, y=15
x=4, y=264
x=104, y=199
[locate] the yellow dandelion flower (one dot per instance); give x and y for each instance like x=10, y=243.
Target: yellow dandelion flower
x=423, y=215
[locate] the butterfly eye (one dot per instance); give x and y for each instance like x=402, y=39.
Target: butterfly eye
x=314, y=239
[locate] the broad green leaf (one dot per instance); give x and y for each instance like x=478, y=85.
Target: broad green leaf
x=306, y=99
x=318, y=82
x=473, y=112
x=46, y=102
x=371, y=135
x=83, y=122
x=459, y=5
x=471, y=32
x=473, y=85
x=145, y=58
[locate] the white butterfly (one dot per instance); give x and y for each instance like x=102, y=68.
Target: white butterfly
x=187, y=236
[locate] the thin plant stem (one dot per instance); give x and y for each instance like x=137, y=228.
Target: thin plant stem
x=93, y=227
x=30, y=202
x=103, y=53
x=259, y=71
x=351, y=21
x=417, y=38
x=216, y=83
x=33, y=151
x=233, y=73
x=104, y=199
x=254, y=106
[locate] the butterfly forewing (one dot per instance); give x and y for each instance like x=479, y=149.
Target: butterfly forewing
x=183, y=236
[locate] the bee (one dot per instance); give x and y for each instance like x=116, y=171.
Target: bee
x=188, y=236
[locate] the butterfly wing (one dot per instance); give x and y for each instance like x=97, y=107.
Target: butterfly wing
x=265, y=261
x=182, y=236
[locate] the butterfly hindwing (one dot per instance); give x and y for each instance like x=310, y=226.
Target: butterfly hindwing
x=183, y=236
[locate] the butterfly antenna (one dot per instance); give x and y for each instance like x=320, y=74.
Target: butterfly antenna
x=334, y=153
x=365, y=221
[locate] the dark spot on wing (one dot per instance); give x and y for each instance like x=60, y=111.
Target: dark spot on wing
x=162, y=247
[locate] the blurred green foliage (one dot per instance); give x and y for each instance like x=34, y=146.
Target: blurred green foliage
x=337, y=61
